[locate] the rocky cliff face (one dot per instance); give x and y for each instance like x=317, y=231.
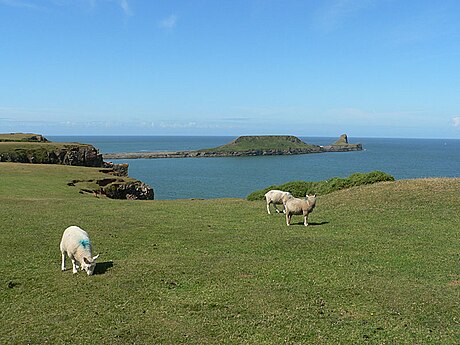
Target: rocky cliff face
x=85, y=155
x=44, y=153
x=135, y=190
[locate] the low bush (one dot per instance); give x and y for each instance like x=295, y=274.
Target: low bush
x=300, y=188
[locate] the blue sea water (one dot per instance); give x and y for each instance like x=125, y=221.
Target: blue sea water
x=181, y=178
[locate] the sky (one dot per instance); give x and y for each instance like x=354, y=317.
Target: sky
x=368, y=68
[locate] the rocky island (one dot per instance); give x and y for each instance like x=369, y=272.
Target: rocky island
x=264, y=145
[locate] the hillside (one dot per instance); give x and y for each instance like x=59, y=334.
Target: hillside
x=264, y=143
x=378, y=264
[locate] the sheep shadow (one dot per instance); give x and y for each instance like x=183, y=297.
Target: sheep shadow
x=102, y=267
x=311, y=223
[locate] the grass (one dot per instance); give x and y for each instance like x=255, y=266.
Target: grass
x=25, y=137
x=378, y=264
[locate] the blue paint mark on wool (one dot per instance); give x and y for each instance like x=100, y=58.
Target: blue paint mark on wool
x=84, y=243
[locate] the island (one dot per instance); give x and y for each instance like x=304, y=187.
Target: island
x=260, y=145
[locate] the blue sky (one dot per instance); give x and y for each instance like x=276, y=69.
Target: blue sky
x=368, y=68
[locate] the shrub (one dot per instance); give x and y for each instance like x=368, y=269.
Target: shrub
x=300, y=188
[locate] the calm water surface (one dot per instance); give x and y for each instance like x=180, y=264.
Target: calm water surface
x=178, y=178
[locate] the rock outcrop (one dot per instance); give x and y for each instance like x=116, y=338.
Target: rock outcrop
x=135, y=190
x=49, y=153
x=115, y=187
x=342, y=145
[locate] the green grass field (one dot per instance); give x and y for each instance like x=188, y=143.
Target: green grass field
x=379, y=264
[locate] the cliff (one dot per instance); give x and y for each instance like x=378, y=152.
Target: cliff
x=36, y=149
x=50, y=153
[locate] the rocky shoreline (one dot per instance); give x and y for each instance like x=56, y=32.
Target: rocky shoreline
x=210, y=154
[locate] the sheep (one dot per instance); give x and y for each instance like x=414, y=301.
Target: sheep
x=300, y=206
x=276, y=197
x=76, y=244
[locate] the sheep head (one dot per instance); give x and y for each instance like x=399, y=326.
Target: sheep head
x=89, y=264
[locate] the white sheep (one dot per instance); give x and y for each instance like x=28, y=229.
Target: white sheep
x=275, y=197
x=300, y=206
x=76, y=244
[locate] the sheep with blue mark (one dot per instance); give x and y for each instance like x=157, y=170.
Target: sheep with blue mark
x=77, y=245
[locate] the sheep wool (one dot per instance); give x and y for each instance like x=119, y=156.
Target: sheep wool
x=76, y=245
x=275, y=197
x=297, y=206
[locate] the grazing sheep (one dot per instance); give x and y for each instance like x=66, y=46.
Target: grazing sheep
x=76, y=244
x=300, y=206
x=276, y=197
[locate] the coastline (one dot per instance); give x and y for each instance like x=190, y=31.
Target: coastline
x=210, y=154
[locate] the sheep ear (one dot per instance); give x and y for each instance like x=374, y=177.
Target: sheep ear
x=95, y=257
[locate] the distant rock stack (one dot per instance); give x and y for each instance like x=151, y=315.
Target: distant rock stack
x=343, y=140
x=342, y=145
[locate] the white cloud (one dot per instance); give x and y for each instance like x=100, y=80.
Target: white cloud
x=333, y=15
x=18, y=3
x=178, y=124
x=456, y=121
x=125, y=7
x=123, y=4
x=168, y=22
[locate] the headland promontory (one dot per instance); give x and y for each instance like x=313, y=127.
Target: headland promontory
x=260, y=145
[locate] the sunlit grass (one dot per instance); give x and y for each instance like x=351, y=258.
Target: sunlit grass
x=378, y=264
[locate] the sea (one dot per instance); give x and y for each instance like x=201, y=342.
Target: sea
x=236, y=177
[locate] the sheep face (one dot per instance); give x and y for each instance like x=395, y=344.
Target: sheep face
x=311, y=198
x=89, y=265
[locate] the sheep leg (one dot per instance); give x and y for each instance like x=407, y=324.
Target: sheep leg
x=268, y=208
x=288, y=219
x=63, y=261
x=305, y=220
x=74, y=266
x=276, y=208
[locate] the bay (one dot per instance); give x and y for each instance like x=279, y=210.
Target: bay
x=236, y=177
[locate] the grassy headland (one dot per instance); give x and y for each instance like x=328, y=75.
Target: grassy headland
x=378, y=264
x=263, y=143
x=34, y=148
x=22, y=137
